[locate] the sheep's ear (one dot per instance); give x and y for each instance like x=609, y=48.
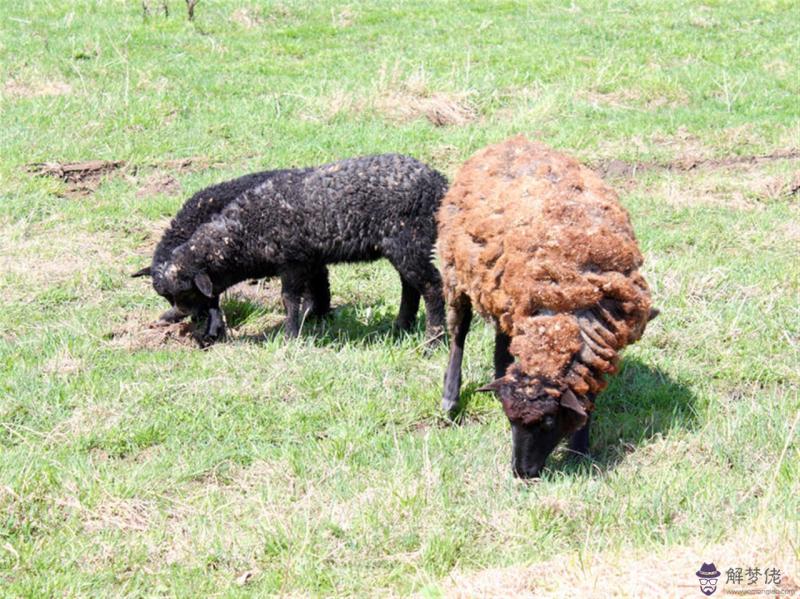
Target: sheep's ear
x=495, y=385
x=653, y=313
x=569, y=401
x=204, y=284
x=145, y=272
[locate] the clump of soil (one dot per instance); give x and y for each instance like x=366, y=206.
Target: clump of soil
x=82, y=178
x=135, y=334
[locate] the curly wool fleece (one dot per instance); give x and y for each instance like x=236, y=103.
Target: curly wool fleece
x=542, y=247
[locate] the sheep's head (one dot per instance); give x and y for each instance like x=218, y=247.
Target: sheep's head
x=185, y=287
x=541, y=412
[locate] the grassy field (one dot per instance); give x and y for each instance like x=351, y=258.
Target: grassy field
x=135, y=465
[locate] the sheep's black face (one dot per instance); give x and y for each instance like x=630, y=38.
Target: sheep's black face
x=532, y=443
x=189, y=293
x=540, y=416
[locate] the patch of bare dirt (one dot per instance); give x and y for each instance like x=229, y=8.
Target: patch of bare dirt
x=84, y=420
x=247, y=17
x=120, y=514
x=63, y=364
x=159, y=184
x=632, y=99
x=343, y=18
x=17, y=88
x=619, y=168
x=83, y=178
x=791, y=231
x=137, y=333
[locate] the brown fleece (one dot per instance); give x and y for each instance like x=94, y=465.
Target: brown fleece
x=542, y=247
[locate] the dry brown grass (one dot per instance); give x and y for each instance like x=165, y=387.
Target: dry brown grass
x=91, y=418
x=738, y=186
x=120, y=514
x=247, y=17
x=34, y=87
x=442, y=109
x=400, y=100
x=659, y=572
x=343, y=17
x=29, y=255
x=63, y=364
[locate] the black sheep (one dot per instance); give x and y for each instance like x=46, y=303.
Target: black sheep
x=198, y=210
x=297, y=221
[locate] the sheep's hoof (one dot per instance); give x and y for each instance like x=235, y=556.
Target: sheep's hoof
x=206, y=340
x=451, y=409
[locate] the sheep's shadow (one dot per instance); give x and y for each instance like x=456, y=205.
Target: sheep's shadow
x=640, y=403
x=349, y=323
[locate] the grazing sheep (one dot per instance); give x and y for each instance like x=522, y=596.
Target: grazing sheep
x=199, y=209
x=542, y=248
x=299, y=220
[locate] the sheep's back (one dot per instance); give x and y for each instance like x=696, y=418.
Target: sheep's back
x=534, y=238
x=343, y=210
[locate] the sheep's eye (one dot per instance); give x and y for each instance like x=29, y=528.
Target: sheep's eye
x=548, y=423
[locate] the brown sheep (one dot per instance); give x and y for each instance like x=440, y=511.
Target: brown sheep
x=541, y=247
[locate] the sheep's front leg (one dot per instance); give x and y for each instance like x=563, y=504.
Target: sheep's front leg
x=459, y=318
x=293, y=284
x=215, y=323
x=502, y=356
x=579, y=443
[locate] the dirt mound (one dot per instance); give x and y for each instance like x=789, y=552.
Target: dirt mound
x=136, y=333
x=83, y=178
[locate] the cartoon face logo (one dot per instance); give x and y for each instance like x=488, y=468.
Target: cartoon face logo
x=708, y=576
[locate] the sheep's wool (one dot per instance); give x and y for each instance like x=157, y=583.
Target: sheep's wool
x=541, y=246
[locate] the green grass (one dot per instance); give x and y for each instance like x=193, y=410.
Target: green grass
x=323, y=466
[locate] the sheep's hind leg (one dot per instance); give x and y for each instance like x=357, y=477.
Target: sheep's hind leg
x=428, y=283
x=502, y=356
x=434, y=307
x=459, y=317
x=293, y=282
x=317, y=296
x=412, y=259
x=409, y=306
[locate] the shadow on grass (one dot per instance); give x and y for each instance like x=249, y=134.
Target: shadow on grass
x=344, y=324
x=640, y=403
